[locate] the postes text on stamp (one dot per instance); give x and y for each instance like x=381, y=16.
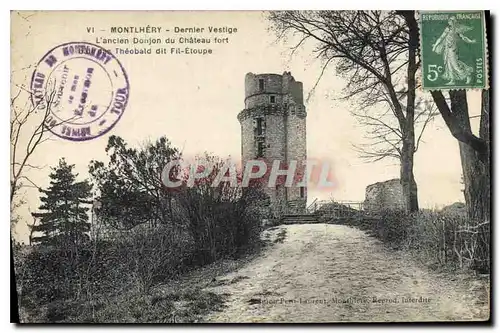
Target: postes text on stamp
x=453, y=50
x=83, y=87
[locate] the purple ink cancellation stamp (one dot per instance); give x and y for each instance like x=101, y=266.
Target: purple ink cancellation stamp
x=84, y=88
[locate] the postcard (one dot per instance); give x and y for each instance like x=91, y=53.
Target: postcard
x=250, y=166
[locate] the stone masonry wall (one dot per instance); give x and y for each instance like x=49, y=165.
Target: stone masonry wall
x=279, y=107
x=384, y=195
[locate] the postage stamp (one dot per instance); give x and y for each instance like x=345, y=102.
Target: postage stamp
x=84, y=88
x=453, y=50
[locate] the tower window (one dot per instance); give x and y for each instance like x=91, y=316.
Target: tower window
x=261, y=84
x=260, y=149
x=259, y=126
x=302, y=192
x=272, y=99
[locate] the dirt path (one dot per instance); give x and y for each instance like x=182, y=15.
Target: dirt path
x=331, y=273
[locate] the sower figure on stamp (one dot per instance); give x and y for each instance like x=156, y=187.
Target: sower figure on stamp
x=446, y=44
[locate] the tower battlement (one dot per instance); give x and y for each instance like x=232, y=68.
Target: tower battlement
x=259, y=86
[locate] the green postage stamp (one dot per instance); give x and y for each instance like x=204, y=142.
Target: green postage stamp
x=453, y=50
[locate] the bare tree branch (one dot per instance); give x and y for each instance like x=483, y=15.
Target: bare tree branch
x=377, y=55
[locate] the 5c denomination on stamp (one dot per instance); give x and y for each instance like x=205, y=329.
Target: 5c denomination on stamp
x=453, y=50
x=83, y=87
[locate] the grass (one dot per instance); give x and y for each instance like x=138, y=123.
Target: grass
x=178, y=300
x=433, y=240
x=281, y=236
x=182, y=298
x=187, y=302
x=223, y=282
x=183, y=306
x=273, y=235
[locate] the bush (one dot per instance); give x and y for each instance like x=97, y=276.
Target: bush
x=54, y=282
x=137, y=259
x=169, y=232
x=448, y=239
x=393, y=227
x=390, y=226
x=152, y=255
x=50, y=274
x=223, y=223
x=440, y=238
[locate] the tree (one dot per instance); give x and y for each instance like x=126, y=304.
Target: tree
x=28, y=130
x=64, y=219
x=377, y=56
x=30, y=125
x=130, y=187
x=475, y=152
x=475, y=156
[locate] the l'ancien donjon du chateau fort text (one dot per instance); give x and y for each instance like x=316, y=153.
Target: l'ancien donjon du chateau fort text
x=137, y=40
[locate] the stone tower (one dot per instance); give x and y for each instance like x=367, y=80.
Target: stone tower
x=273, y=127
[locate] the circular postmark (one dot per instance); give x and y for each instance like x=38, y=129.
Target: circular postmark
x=82, y=87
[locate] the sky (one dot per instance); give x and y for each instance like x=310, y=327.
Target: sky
x=193, y=100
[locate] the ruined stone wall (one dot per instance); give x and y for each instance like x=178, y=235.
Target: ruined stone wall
x=384, y=195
